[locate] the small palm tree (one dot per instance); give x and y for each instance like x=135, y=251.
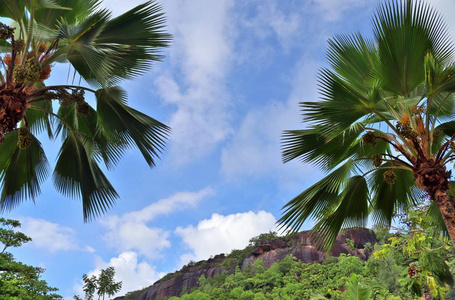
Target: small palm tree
x=100, y=49
x=383, y=127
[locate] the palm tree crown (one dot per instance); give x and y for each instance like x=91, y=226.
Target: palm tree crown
x=102, y=50
x=383, y=126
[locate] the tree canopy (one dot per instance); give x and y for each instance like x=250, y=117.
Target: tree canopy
x=383, y=127
x=102, y=51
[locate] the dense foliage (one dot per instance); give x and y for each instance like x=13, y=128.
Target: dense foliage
x=100, y=50
x=19, y=281
x=383, y=127
x=415, y=261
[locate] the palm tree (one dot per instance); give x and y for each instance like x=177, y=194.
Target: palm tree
x=383, y=127
x=100, y=49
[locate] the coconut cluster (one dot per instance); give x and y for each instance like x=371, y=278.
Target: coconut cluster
x=6, y=32
x=31, y=72
x=66, y=99
x=369, y=138
x=405, y=129
x=390, y=177
x=377, y=159
x=25, y=138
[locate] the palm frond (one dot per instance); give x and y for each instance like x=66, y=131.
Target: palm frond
x=76, y=175
x=350, y=210
x=135, y=52
x=353, y=58
x=315, y=199
x=39, y=117
x=118, y=120
x=340, y=105
x=21, y=171
x=14, y=10
x=80, y=9
x=106, y=50
x=389, y=199
x=110, y=149
x=405, y=32
x=313, y=147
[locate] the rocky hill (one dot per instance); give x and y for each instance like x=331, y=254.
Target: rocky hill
x=302, y=246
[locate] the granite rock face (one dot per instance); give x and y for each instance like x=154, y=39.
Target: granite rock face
x=302, y=246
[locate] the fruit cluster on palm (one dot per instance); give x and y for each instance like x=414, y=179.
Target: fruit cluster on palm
x=383, y=127
x=102, y=51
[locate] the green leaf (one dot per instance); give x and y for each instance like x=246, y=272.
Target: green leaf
x=110, y=149
x=80, y=9
x=350, y=209
x=355, y=291
x=389, y=199
x=405, y=32
x=39, y=117
x=119, y=121
x=313, y=201
x=77, y=174
x=314, y=147
x=21, y=171
x=435, y=263
x=12, y=9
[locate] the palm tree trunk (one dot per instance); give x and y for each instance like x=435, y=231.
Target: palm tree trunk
x=447, y=207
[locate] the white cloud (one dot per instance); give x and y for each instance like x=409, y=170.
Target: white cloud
x=221, y=234
x=178, y=201
x=272, y=21
x=51, y=236
x=200, y=54
x=133, y=274
x=131, y=232
x=131, y=235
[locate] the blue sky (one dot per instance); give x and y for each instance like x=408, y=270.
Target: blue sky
x=230, y=84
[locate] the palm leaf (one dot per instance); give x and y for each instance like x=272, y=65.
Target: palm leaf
x=315, y=199
x=39, y=117
x=313, y=147
x=405, y=32
x=135, y=52
x=80, y=9
x=21, y=171
x=389, y=199
x=12, y=9
x=340, y=105
x=349, y=210
x=110, y=150
x=119, y=121
x=77, y=174
x=353, y=58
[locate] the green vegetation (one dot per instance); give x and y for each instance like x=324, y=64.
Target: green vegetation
x=413, y=262
x=383, y=127
x=103, y=51
x=103, y=285
x=19, y=281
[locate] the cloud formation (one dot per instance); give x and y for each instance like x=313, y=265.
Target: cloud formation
x=221, y=234
x=195, y=84
x=131, y=232
x=50, y=236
